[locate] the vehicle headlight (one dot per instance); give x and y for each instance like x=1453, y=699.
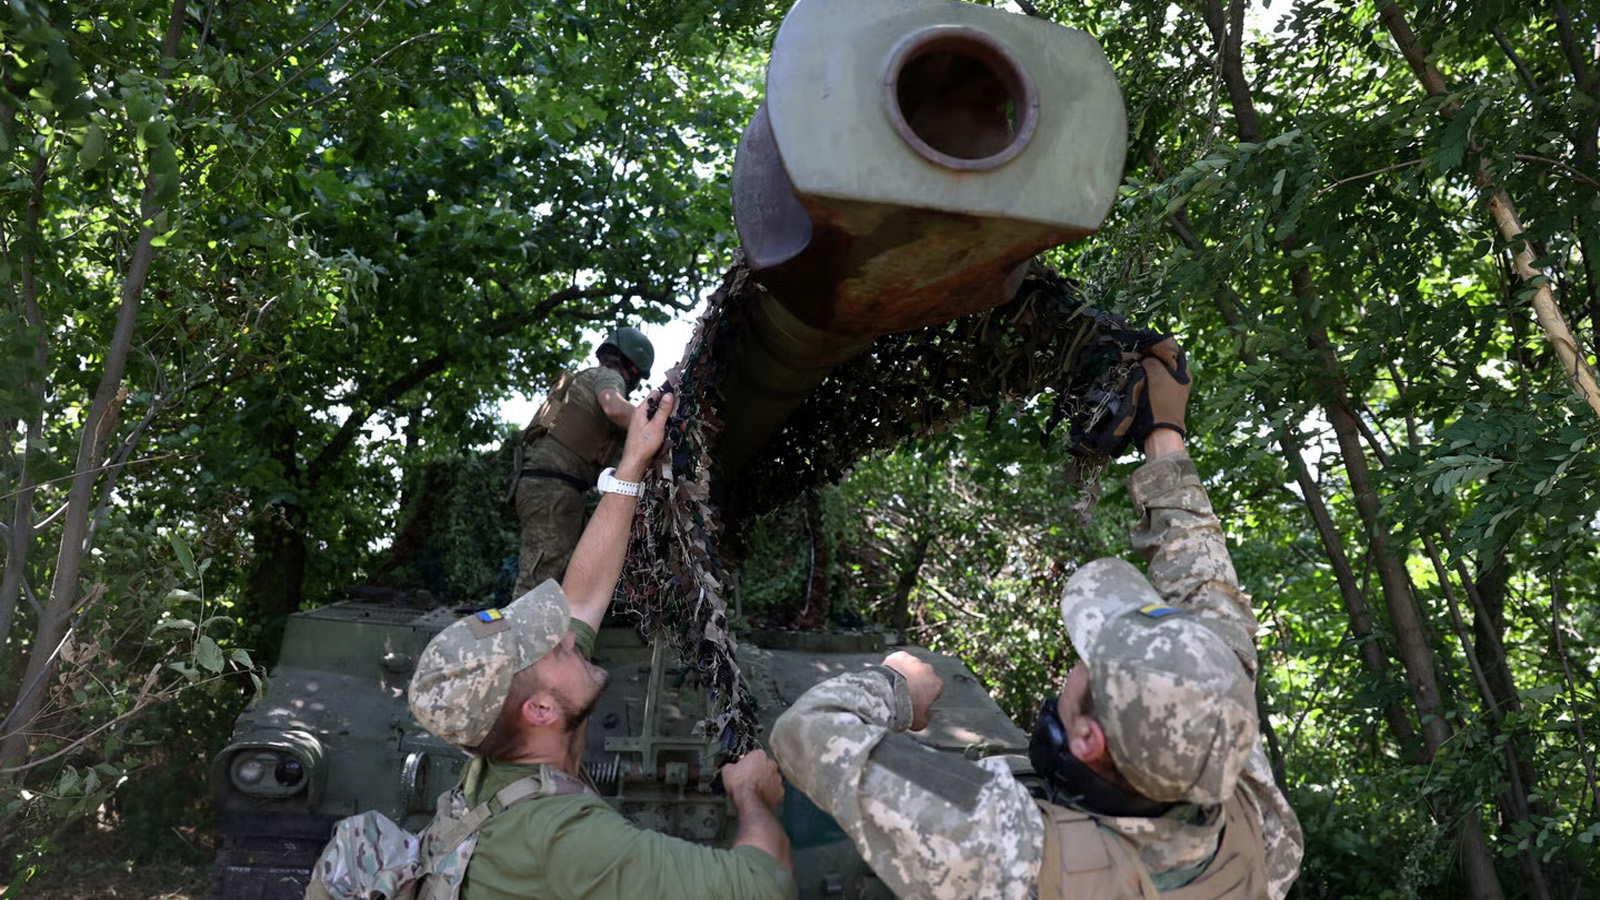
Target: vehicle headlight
x=267, y=773
x=272, y=765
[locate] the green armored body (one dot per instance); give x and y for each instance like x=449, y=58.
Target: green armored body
x=333, y=737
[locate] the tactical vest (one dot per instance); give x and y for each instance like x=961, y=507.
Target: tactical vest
x=371, y=858
x=595, y=441
x=1081, y=859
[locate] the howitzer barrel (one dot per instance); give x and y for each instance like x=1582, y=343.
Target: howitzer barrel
x=910, y=158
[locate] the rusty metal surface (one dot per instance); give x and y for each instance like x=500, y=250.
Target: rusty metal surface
x=911, y=158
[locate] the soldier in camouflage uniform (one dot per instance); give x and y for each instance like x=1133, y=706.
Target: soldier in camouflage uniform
x=576, y=434
x=1152, y=777
x=514, y=687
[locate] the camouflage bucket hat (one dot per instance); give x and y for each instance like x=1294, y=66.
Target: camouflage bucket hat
x=1178, y=709
x=465, y=672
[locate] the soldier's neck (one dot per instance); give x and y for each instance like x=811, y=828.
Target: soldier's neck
x=559, y=747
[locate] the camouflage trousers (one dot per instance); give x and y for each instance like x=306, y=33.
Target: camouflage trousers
x=551, y=513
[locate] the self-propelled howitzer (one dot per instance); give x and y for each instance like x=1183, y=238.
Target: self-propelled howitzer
x=910, y=159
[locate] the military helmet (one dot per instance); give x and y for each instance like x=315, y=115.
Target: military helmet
x=634, y=347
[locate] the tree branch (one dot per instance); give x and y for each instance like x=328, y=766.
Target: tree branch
x=1028, y=8
x=391, y=393
x=1521, y=67
x=1563, y=167
x=353, y=77
x=1504, y=215
x=347, y=36
x=1572, y=691
x=1375, y=172
x=73, y=548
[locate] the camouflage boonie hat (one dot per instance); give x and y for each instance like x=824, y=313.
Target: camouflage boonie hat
x=1178, y=709
x=465, y=672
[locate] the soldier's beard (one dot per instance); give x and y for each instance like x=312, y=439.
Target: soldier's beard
x=575, y=713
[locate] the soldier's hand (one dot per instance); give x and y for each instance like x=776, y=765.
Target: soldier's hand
x=755, y=776
x=645, y=434
x=1123, y=416
x=1167, y=382
x=924, y=682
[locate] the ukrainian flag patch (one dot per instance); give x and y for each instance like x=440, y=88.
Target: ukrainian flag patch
x=1159, y=611
x=490, y=615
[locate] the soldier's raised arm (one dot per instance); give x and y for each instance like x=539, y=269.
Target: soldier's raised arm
x=1178, y=533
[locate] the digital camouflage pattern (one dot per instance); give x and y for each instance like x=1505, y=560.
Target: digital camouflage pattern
x=929, y=824
x=1083, y=858
x=1181, y=541
x=941, y=828
x=464, y=673
x=1178, y=708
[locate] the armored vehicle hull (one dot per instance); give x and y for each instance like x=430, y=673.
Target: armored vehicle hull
x=332, y=736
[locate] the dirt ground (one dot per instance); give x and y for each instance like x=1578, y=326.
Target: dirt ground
x=96, y=863
x=151, y=881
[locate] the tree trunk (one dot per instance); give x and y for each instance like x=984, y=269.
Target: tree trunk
x=1503, y=214
x=817, y=604
x=900, y=601
x=1476, y=859
x=19, y=537
x=276, y=585
x=98, y=426
x=1372, y=652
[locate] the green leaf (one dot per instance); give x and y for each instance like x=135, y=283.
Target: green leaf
x=185, y=555
x=139, y=106
x=94, y=144
x=164, y=163
x=208, y=654
x=184, y=625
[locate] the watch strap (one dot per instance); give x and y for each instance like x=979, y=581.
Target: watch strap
x=609, y=483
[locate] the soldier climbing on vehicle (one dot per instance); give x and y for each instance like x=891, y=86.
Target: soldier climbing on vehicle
x=576, y=434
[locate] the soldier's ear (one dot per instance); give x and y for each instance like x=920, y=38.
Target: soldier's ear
x=540, y=709
x=1087, y=740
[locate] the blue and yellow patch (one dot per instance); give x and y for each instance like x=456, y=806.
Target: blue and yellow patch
x=1158, y=610
x=487, y=623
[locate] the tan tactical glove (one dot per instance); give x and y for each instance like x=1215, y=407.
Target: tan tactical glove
x=1122, y=415
x=1166, y=391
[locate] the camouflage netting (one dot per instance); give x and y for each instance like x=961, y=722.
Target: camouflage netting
x=1044, y=341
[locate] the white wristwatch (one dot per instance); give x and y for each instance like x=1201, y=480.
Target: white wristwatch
x=610, y=484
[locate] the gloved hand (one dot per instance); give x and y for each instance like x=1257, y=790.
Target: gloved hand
x=1166, y=392
x=1123, y=414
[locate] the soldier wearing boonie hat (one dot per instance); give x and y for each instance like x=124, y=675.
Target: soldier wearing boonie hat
x=1149, y=773
x=514, y=687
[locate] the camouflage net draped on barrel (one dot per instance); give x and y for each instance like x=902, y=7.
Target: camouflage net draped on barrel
x=1045, y=341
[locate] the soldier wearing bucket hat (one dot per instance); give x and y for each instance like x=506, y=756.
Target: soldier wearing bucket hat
x=1148, y=777
x=514, y=687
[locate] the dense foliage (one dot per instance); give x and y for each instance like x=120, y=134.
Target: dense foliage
x=261, y=264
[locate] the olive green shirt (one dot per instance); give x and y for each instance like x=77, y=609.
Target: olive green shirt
x=575, y=845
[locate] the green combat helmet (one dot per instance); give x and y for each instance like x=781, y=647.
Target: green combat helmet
x=634, y=347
